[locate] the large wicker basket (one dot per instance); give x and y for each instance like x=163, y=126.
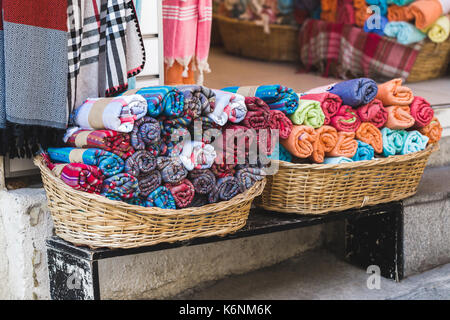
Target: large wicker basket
x=247, y=39
x=89, y=219
x=321, y=188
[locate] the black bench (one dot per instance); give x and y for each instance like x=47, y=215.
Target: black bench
x=373, y=236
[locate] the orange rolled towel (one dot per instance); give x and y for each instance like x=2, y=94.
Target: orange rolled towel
x=329, y=9
x=327, y=137
x=399, y=13
x=358, y=4
x=361, y=15
x=433, y=131
x=300, y=141
x=425, y=12
x=392, y=93
x=399, y=117
x=346, y=145
x=370, y=134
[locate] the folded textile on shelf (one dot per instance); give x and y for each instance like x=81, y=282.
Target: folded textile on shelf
x=370, y=134
x=392, y=141
x=399, y=117
x=149, y=182
x=425, y=12
x=439, y=31
x=414, y=142
x=346, y=119
x=433, y=131
x=171, y=168
x=197, y=155
x=355, y=92
x=162, y=198
x=80, y=176
x=279, y=121
x=326, y=140
x=405, y=32
x=392, y=93
x=346, y=145
x=364, y=152
x=248, y=176
x=308, y=113
x=329, y=103
x=142, y=162
x=198, y=101
x=225, y=189
x=421, y=111
x=373, y=112
x=258, y=114
x=228, y=107
x=120, y=186
x=336, y=160
x=300, y=142
x=203, y=180
x=399, y=13
x=182, y=192
x=146, y=131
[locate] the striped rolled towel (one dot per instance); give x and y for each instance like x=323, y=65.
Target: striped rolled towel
x=120, y=187
x=225, y=189
x=171, y=168
x=162, y=198
x=149, y=182
x=142, y=162
x=203, y=180
x=146, y=132
x=182, y=192
x=80, y=176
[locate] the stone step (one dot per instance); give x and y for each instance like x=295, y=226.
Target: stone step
x=442, y=157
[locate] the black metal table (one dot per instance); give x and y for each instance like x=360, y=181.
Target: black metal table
x=373, y=236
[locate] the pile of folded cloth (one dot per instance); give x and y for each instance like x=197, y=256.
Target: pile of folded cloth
x=173, y=147
x=358, y=120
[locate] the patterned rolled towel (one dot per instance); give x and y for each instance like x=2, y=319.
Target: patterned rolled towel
x=108, y=140
x=223, y=170
x=276, y=96
x=329, y=103
x=414, y=142
x=206, y=129
x=421, y=111
x=433, y=131
x=326, y=140
x=142, y=162
x=225, y=189
x=237, y=142
x=146, y=131
x=346, y=145
x=364, y=152
x=247, y=177
x=346, y=119
x=439, y=30
x=361, y=16
x=355, y=92
x=336, y=160
x=117, y=114
x=282, y=154
x=149, y=182
x=399, y=13
x=425, y=12
x=393, y=141
x=228, y=107
x=120, y=186
x=110, y=163
x=370, y=134
x=198, y=100
x=162, y=198
x=399, y=117
x=173, y=131
x=136, y=201
x=279, y=121
x=405, y=32
x=392, y=93
x=197, y=155
x=373, y=112
x=80, y=176
x=203, y=180
x=300, y=143
x=182, y=192
x=258, y=114
x=172, y=169
x=308, y=113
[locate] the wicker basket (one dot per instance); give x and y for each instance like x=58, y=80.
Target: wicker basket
x=321, y=188
x=89, y=219
x=245, y=38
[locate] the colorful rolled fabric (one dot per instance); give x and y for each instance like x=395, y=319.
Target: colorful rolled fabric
x=108, y=140
x=172, y=169
x=361, y=16
x=162, y=198
x=355, y=92
x=223, y=170
x=405, y=32
x=433, y=131
x=282, y=154
x=237, y=142
x=146, y=131
x=329, y=103
x=370, y=134
x=399, y=117
x=173, y=132
x=258, y=114
x=327, y=137
x=346, y=145
x=117, y=114
x=421, y=111
x=392, y=93
x=308, y=113
x=80, y=176
x=228, y=107
x=182, y=192
x=346, y=119
x=414, y=142
x=425, y=12
x=142, y=162
x=198, y=100
x=399, y=13
x=382, y=4
x=120, y=186
x=364, y=152
x=136, y=201
x=149, y=182
x=400, y=2
x=225, y=189
x=206, y=129
x=346, y=13
x=197, y=155
x=279, y=121
x=300, y=142
x=110, y=163
x=371, y=26
x=203, y=180
x=336, y=160
x=276, y=96
x=329, y=10
x=393, y=141
x=373, y=112
x=439, y=30
x=247, y=177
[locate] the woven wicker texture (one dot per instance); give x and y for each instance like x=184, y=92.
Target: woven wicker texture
x=321, y=188
x=245, y=38
x=89, y=219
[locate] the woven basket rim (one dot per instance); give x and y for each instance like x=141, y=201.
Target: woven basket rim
x=251, y=193
x=252, y=23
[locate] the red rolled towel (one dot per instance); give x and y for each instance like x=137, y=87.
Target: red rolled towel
x=346, y=119
x=421, y=111
x=329, y=102
x=258, y=114
x=278, y=120
x=373, y=112
x=183, y=193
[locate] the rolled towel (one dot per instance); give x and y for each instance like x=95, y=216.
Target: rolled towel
x=414, y=142
x=225, y=189
x=361, y=16
x=136, y=201
x=171, y=168
x=120, y=186
x=300, y=142
x=355, y=92
x=399, y=13
x=182, y=192
x=198, y=101
x=373, y=112
x=336, y=160
x=247, y=177
x=258, y=114
x=149, y=182
x=439, y=30
x=228, y=107
x=382, y=4
x=421, y=111
x=80, y=176
x=146, y=131
x=369, y=26
x=282, y=154
x=445, y=4
x=392, y=141
x=110, y=163
x=433, y=131
x=405, y=32
x=223, y=170
x=203, y=180
x=364, y=152
x=346, y=145
x=197, y=155
x=308, y=113
x=162, y=198
x=327, y=137
x=346, y=13
x=400, y=2
x=370, y=134
x=425, y=12
x=392, y=93
x=142, y=162
x=279, y=121
x=117, y=113
x=346, y=119
x=329, y=103
x=399, y=117
x=237, y=142
x=210, y=130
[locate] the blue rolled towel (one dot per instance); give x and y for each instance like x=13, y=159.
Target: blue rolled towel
x=355, y=92
x=336, y=160
x=405, y=32
x=364, y=152
x=400, y=2
x=368, y=27
x=393, y=141
x=414, y=142
x=282, y=155
x=162, y=198
x=382, y=4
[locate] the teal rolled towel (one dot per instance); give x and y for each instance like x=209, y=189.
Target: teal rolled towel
x=364, y=152
x=405, y=32
x=337, y=160
x=393, y=141
x=414, y=142
x=282, y=155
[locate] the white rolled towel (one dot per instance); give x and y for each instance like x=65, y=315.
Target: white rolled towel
x=228, y=107
x=197, y=155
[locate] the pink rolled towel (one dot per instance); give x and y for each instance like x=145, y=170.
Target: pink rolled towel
x=421, y=111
